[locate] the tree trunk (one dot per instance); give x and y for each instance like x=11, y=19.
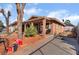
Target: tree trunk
x=7, y=25
x=20, y=18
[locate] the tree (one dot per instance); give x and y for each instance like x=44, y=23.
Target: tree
x=20, y=12
x=1, y=26
x=6, y=18
x=67, y=22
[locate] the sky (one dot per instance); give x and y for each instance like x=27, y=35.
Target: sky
x=61, y=11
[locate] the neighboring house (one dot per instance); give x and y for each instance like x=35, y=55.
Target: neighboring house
x=68, y=30
x=69, y=27
x=13, y=26
x=43, y=24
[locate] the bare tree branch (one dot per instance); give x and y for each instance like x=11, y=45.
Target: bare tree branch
x=6, y=18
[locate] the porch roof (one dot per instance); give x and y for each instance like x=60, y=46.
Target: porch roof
x=39, y=18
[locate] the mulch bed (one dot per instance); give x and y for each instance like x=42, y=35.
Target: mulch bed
x=26, y=41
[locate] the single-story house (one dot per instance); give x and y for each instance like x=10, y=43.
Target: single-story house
x=43, y=24
x=69, y=27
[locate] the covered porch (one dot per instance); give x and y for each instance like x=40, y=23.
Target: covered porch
x=43, y=26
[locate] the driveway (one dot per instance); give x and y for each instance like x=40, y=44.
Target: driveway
x=58, y=47
x=51, y=49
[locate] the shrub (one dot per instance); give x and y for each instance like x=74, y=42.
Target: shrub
x=31, y=31
x=27, y=32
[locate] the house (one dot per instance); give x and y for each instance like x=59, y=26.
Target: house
x=68, y=27
x=13, y=26
x=43, y=24
x=69, y=30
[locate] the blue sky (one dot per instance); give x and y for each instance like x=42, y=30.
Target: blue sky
x=57, y=10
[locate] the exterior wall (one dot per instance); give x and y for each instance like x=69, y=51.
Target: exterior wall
x=56, y=28
x=12, y=28
x=68, y=28
x=53, y=28
x=59, y=28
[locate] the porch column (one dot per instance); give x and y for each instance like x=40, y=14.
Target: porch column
x=44, y=27
x=53, y=28
x=62, y=28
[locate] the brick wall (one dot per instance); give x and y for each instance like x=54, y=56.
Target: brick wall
x=56, y=28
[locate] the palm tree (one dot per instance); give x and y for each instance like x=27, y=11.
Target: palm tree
x=6, y=18
x=20, y=12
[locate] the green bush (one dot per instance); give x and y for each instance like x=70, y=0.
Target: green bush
x=27, y=32
x=31, y=31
